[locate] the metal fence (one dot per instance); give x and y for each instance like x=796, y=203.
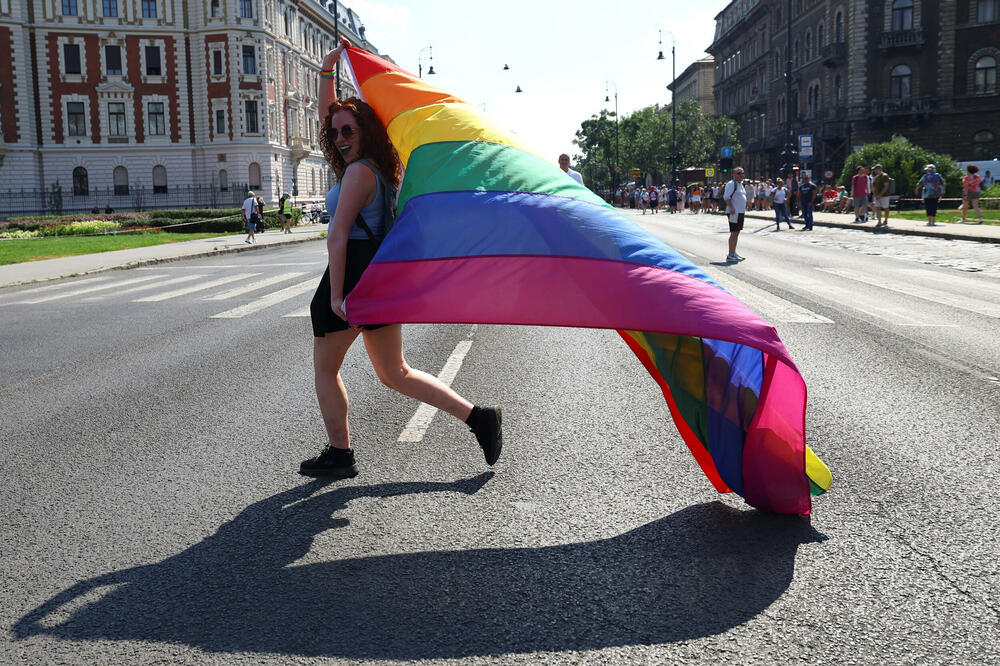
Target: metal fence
x=102, y=200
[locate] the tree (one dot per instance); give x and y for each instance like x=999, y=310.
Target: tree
x=904, y=162
x=596, y=140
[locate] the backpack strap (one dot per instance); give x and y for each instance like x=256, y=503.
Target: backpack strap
x=388, y=210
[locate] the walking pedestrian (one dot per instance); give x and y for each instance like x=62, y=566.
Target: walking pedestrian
x=930, y=187
x=971, y=187
x=780, y=200
x=249, y=211
x=807, y=200
x=261, y=223
x=654, y=199
x=880, y=196
x=285, y=206
x=358, y=150
x=736, y=208
x=793, y=190
x=672, y=196
x=859, y=191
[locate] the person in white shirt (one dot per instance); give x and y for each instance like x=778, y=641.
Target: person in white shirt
x=564, y=165
x=249, y=209
x=779, y=198
x=736, y=207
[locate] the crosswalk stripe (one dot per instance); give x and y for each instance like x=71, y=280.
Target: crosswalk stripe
x=87, y=290
x=925, y=293
x=164, y=283
x=54, y=287
x=417, y=427
x=268, y=300
x=254, y=286
x=767, y=305
x=183, y=291
x=304, y=312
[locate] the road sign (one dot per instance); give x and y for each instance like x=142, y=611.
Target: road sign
x=709, y=172
x=828, y=174
x=727, y=151
x=805, y=145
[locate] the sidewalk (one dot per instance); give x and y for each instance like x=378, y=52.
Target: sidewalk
x=984, y=233
x=51, y=269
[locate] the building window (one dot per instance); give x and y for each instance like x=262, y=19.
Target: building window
x=120, y=177
x=81, y=184
x=220, y=122
x=251, y=114
x=71, y=59
x=246, y=9
x=76, y=123
x=157, y=119
x=838, y=28
x=223, y=180
x=899, y=82
x=159, y=179
x=254, y=173
x=902, y=15
x=838, y=89
x=249, y=60
x=153, y=67
x=809, y=46
x=116, y=119
x=217, y=63
x=111, y=8
x=215, y=8
x=113, y=59
x=69, y=7
x=982, y=145
x=986, y=75
x=988, y=11
x=148, y=8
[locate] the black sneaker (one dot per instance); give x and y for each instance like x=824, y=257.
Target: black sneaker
x=486, y=425
x=332, y=462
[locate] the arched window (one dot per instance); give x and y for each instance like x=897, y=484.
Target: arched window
x=902, y=15
x=819, y=37
x=983, y=147
x=899, y=82
x=839, y=27
x=986, y=75
x=223, y=180
x=159, y=179
x=809, y=46
x=81, y=184
x=120, y=177
x=254, y=176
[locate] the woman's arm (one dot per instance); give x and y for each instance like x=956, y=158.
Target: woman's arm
x=328, y=81
x=357, y=189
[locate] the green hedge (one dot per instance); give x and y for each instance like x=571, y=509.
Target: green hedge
x=194, y=221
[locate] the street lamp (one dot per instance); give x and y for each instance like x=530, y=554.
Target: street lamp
x=420, y=63
x=788, y=153
x=607, y=99
x=673, y=100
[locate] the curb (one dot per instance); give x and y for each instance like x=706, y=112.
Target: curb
x=891, y=230
x=214, y=252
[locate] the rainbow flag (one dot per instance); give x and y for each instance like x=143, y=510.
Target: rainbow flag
x=489, y=233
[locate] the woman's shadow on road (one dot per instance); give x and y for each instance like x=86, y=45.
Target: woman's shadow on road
x=695, y=573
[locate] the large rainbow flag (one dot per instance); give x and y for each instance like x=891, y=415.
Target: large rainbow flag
x=488, y=232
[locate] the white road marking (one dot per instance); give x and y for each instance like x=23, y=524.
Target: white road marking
x=254, y=286
x=925, y=293
x=421, y=420
x=770, y=307
x=52, y=287
x=267, y=301
x=87, y=290
x=183, y=291
x=304, y=312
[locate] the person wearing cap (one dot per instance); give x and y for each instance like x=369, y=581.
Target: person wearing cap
x=880, y=196
x=930, y=187
x=249, y=209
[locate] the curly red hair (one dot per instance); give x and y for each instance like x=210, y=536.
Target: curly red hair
x=375, y=143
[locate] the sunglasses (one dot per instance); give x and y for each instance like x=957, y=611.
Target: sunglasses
x=347, y=131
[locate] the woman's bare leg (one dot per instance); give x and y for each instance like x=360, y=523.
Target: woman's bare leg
x=385, y=349
x=328, y=355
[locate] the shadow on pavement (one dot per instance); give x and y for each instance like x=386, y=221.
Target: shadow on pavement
x=695, y=573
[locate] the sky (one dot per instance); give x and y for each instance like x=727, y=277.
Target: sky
x=560, y=53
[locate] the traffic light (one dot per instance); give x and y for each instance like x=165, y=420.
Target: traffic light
x=725, y=166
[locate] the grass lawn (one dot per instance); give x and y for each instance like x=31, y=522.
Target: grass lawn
x=33, y=249
x=952, y=215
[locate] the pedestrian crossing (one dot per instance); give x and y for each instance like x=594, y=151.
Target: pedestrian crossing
x=250, y=293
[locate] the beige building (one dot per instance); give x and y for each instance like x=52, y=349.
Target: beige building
x=697, y=82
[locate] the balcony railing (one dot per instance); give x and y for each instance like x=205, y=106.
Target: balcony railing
x=883, y=108
x=898, y=38
x=834, y=54
x=300, y=148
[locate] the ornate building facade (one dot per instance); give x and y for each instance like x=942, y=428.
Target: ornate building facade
x=861, y=71
x=115, y=95
x=697, y=82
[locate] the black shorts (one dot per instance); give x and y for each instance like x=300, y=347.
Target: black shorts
x=931, y=205
x=359, y=255
x=738, y=224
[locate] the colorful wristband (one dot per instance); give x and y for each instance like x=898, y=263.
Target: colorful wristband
x=327, y=73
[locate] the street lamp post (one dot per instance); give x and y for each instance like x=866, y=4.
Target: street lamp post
x=607, y=98
x=673, y=100
x=420, y=62
x=788, y=153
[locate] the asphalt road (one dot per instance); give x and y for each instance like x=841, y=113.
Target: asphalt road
x=151, y=510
